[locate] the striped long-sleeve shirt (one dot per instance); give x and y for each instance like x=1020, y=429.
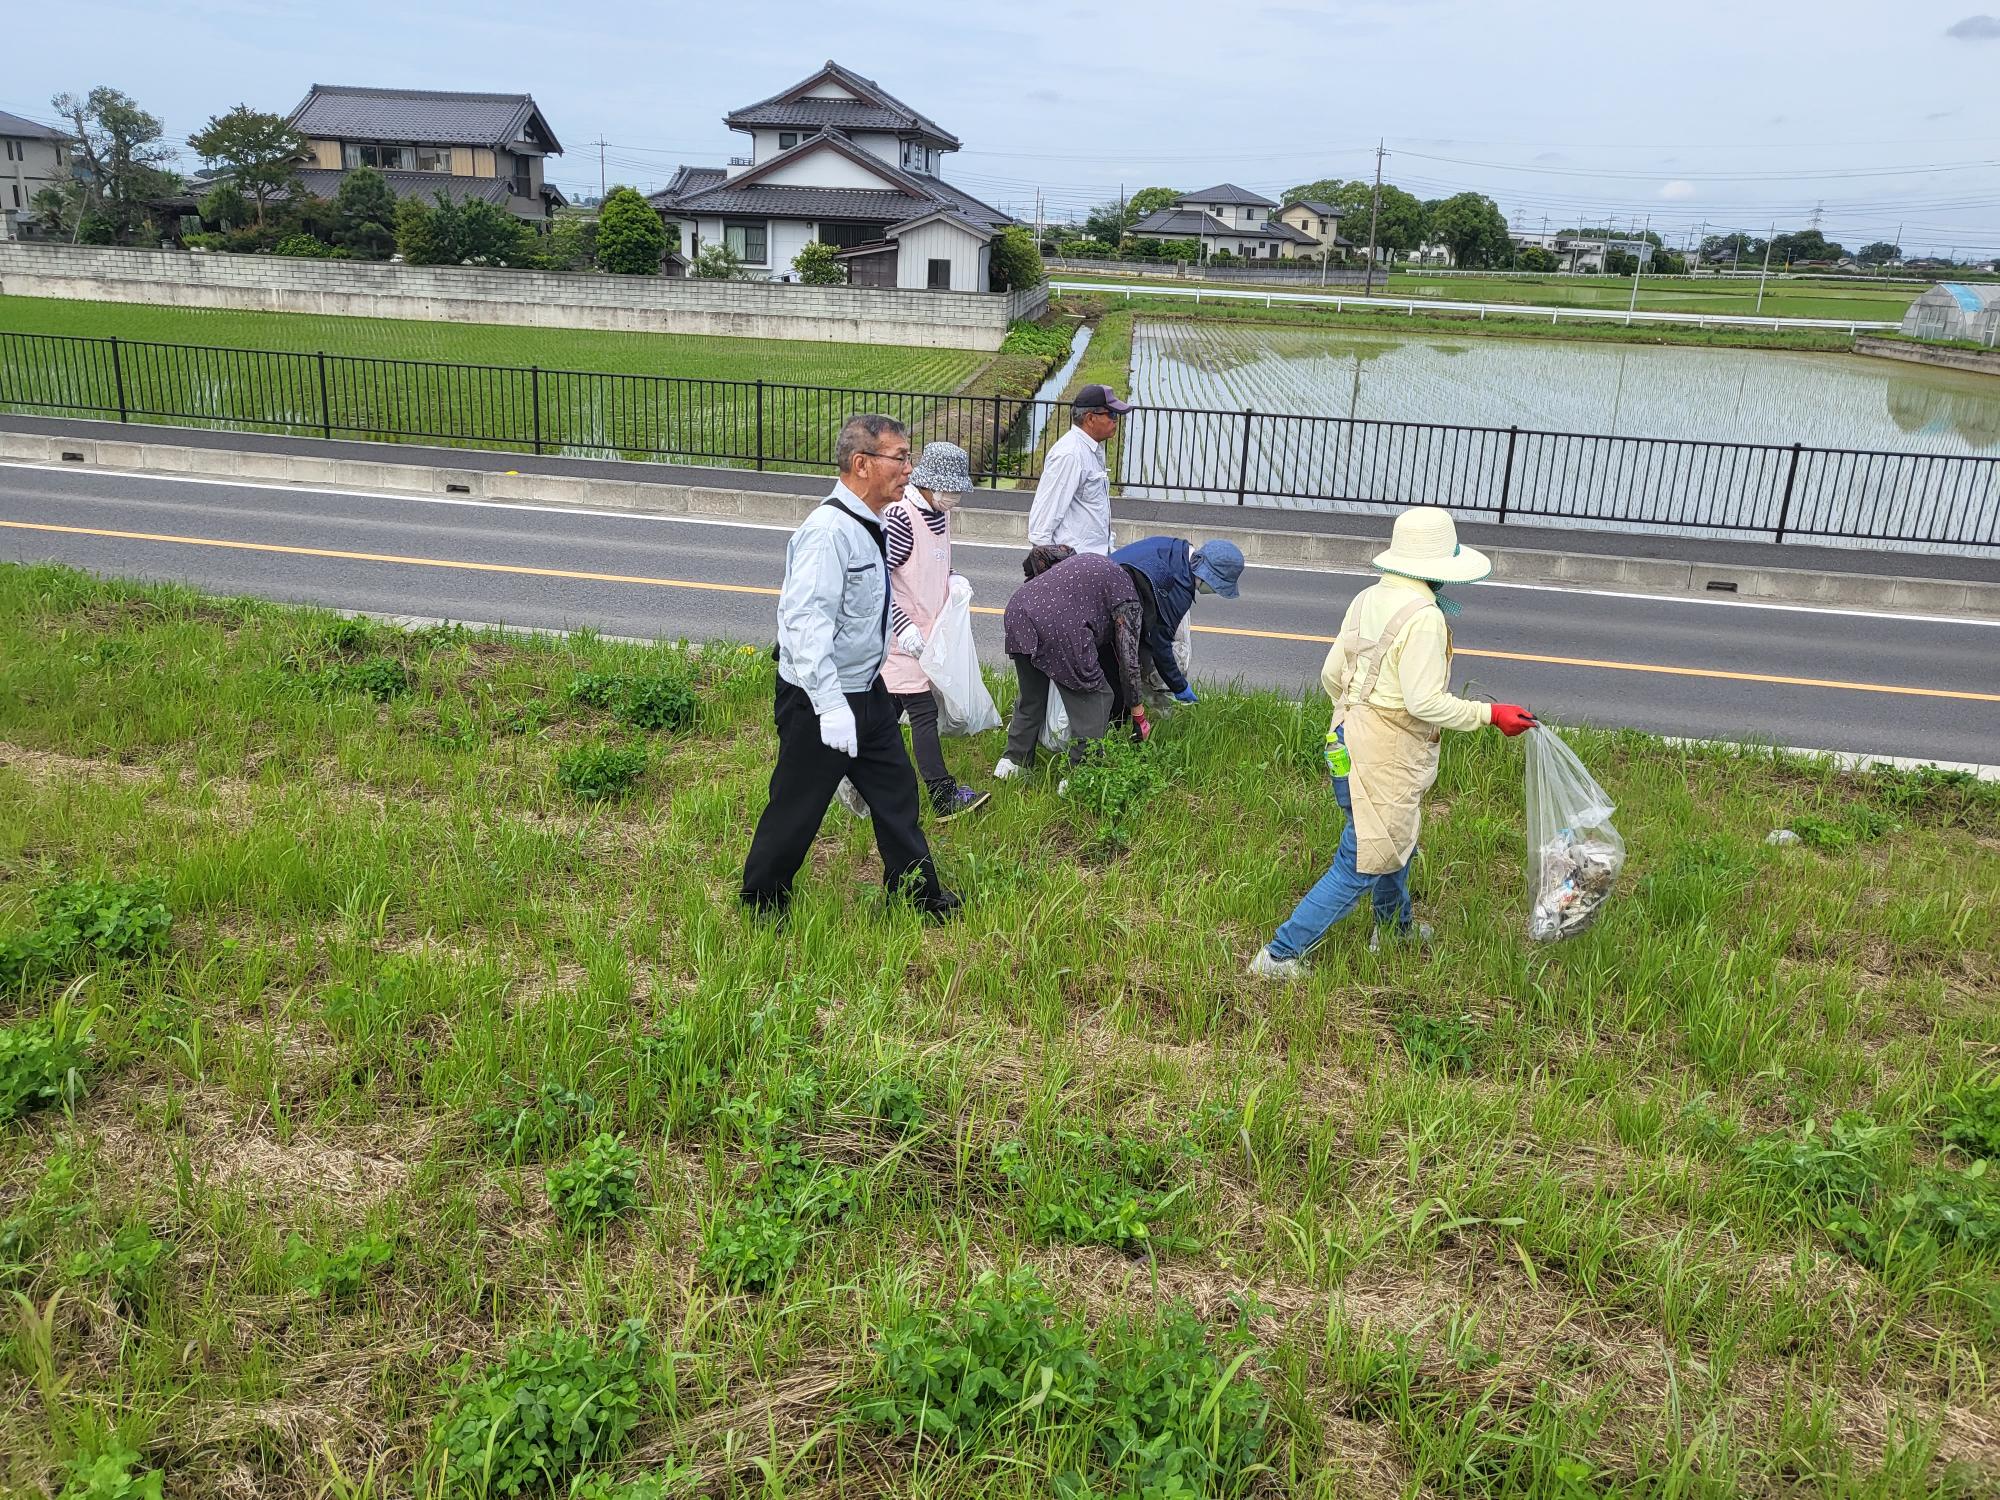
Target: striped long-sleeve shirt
x=901, y=541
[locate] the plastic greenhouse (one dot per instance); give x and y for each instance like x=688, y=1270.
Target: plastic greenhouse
x=1957, y=310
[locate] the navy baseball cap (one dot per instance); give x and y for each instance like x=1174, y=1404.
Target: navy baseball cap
x=1098, y=398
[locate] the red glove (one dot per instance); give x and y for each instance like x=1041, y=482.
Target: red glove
x=1512, y=719
x=1140, y=724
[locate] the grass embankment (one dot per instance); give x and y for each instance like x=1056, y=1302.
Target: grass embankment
x=1494, y=325
x=412, y=1053
x=501, y=407
x=1824, y=298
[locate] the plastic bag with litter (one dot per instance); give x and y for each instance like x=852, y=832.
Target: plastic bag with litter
x=951, y=660
x=1574, y=854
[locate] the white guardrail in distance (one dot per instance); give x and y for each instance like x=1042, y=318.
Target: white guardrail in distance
x=1414, y=305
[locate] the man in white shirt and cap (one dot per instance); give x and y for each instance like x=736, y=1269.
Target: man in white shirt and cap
x=1388, y=674
x=1072, y=506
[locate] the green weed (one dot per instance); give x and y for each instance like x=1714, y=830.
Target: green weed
x=44, y=1062
x=337, y=1275
x=556, y=1404
x=597, y=1185
x=531, y=1127
x=598, y=772
x=84, y=922
x=108, y=1475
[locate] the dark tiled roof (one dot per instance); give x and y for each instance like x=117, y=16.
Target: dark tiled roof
x=1228, y=192
x=816, y=114
x=324, y=184
x=904, y=195
x=867, y=88
x=784, y=201
x=1327, y=210
x=1285, y=231
x=27, y=130
x=333, y=112
x=1179, y=222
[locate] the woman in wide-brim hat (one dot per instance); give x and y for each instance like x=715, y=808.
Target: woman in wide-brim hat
x=1388, y=675
x=917, y=532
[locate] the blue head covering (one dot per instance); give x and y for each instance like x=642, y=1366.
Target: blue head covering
x=1219, y=564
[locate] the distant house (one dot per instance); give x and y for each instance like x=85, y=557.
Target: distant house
x=1229, y=218
x=1583, y=253
x=1319, y=219
x=428, y=141
x=32, y=157
x=839, y=159
x=1434, y=253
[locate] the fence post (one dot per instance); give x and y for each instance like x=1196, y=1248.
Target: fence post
x=760, y=427
x=535, y=400
x=325, y=410
x=999, y=436
x=118, y=375
x=1785, y=506
x=1507, y=473
x=1243, y=459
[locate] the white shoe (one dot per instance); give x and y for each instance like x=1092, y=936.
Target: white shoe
x=1264, y=966
x=1006, y=770
x=851, y=799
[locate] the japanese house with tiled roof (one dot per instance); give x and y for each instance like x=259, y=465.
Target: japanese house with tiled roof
x=839, y=159
x=1227, y=217
x=428, y=141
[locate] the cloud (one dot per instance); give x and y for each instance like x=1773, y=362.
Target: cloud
x=1975, y=29
x=1943, y=114
x=1551, y=156
x=1046, y=96
x=1678, y=188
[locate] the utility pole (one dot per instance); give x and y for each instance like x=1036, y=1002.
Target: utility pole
x=1374, y=216
x=1121, y=218
x=600, y=171
x=1638, y=265
x=1766, y=272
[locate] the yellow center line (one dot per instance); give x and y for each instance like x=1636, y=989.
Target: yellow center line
x=523, y=571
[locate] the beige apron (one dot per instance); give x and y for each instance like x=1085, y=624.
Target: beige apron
x=1395, y=755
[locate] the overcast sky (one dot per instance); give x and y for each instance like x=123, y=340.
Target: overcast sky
x=1736, y=114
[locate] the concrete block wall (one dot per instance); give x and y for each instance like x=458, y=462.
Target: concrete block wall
x=469, y=294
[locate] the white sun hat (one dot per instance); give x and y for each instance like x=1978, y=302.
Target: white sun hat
x=1424, y=544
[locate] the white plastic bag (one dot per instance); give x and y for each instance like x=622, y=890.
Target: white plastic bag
x=951, y=660
x=1055, y=723
x=1574, y=854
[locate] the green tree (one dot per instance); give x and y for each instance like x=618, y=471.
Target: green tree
x=717, y=262
x=819, y=264
x=1536, y=258
x=487, y=235
x=419, y=238
x=571, y=243
x=1804, y=244
x=58, y=207
x=631, y=239
x=1109, y=221
x=260, y=152
x=1880, y=252
x=119, y=160
x=1014, y=260
x=364, y=213
x=1182, y=250
x=223, y=206
x=1149, y=201
x=1472, y=227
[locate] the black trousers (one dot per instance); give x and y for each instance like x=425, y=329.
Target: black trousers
x=803, y=782
x=925, y=745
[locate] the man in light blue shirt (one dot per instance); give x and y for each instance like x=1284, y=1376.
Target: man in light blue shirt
x=835, y=716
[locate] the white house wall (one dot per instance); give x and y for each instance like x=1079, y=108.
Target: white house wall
x=826, y=88
x=826, y=169
x=788, y=238
x=940, y=240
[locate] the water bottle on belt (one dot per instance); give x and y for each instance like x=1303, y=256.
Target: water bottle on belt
x=1338, y=761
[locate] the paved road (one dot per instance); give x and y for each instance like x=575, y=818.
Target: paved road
x=1705, y=669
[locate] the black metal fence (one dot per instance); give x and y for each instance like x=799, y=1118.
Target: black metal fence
x=1934, y=500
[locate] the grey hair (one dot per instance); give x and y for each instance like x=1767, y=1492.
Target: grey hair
x=861, y=432
x=1077, y=414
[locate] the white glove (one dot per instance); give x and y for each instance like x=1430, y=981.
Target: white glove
x=911, y=640
x=836, y=730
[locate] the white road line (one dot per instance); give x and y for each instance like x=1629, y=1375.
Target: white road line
x=414, y=497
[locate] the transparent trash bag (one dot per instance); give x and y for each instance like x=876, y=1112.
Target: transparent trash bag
x=1574, y=854
x=950, y=660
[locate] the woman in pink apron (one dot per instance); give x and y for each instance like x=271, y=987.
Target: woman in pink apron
x=917, y=529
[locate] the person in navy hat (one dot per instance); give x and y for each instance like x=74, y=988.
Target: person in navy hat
x=1168, y=573
x=1072, y=505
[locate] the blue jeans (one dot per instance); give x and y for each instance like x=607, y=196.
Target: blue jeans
x=1340, y=890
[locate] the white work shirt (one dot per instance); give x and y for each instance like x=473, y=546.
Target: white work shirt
x=1073, y=501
